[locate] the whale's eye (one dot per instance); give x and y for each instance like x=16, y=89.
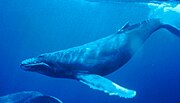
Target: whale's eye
x=41, y=56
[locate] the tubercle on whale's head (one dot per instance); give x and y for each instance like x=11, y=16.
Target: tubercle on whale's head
x=37, y=64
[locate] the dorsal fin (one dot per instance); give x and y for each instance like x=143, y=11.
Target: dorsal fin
x=123, y=28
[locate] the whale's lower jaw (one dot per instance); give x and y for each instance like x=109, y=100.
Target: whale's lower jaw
x=34, y=67
x=33, y=64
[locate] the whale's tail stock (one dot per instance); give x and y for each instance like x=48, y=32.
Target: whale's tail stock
x=169, y=15
x=172, y=29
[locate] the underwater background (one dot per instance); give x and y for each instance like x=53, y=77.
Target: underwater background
x=32, y=27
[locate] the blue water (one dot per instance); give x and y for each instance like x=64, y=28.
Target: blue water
x=31, y=27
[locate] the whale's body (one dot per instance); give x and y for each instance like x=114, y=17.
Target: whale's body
x=102, y=56
x=89, y=62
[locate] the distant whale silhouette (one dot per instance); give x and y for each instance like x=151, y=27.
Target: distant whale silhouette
x=137, y=1
x=28, y=97
x=89, y=62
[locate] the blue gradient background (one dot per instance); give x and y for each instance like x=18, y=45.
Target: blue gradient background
x=31, y=27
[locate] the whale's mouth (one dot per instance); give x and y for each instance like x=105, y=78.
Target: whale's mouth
x=33, y=64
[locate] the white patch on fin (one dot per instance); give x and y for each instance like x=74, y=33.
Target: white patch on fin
x=100, y=83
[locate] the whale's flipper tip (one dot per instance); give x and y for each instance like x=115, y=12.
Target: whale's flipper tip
x=44, y=99
x=100, y=83
x=28, y=97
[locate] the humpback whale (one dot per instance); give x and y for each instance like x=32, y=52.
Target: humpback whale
x=88, y=63
x=28, y=97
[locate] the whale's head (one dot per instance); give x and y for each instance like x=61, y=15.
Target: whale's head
x=38, y=64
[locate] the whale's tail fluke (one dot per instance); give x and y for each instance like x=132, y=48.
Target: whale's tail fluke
x=169, y=15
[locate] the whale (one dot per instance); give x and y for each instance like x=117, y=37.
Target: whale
x=28, y=97
x=89, y=63
x=138, y=1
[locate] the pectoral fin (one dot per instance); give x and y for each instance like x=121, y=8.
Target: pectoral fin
x=100, y=83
